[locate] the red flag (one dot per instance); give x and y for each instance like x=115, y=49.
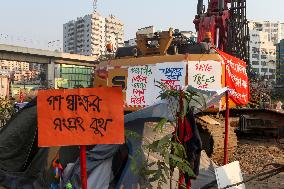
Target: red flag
x=236, y=78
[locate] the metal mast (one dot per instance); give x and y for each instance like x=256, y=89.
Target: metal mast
x=95, y=5
x=238, y=32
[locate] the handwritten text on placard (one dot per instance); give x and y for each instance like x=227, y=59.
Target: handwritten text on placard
x=205, y=74
x=80, y=117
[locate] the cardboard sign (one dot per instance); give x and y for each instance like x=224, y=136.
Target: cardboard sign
x=205, y=74
x=80, y=117
x=140, y=85
x=236, y=78
x=228, y=175
x=172, y=74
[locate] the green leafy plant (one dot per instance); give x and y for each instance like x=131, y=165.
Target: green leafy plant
x=171, y=153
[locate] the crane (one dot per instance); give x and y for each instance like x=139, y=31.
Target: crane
x=227, y=23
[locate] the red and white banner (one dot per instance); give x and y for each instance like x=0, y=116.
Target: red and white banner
x=236, y=78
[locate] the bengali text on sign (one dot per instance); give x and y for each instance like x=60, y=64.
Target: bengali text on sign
x=205, y=74
x=236, y=78
x=80, y=117
x=171, y=74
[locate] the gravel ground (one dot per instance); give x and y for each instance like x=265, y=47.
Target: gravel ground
x=253, y=155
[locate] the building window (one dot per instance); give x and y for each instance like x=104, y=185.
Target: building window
x=255, y=63
x=264, y=69
x=272, y=70
x=272, y=77
x=263, y=63
x=263, y=56
x=255, y=56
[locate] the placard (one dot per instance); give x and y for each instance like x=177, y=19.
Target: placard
x=80, y=117
x=205, y=74
x=140, y=85
x=172, y=74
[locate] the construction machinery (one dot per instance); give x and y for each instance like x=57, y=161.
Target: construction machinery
x=226, y=22
x=224, y=26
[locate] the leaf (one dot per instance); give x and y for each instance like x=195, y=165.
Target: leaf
x=160, y=125
x=133, y=165
x=165, y=140
x=132, y=134
x=179, y=150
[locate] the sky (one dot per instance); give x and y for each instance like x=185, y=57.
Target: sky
x=34, y=23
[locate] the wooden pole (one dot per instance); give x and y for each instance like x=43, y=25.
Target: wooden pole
x=83, y=164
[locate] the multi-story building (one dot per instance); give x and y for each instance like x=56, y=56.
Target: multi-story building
x=89, y=35
x=21, y=72
x=14, y=65
x=275, y=30
x=114, y=32
x=280, y=63
x=262, y=54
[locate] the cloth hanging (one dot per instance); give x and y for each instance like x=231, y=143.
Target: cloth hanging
x=189, y=137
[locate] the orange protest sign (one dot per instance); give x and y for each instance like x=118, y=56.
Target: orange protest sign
x=80, y=117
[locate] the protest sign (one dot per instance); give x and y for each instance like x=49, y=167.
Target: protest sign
x=80, y=117
x=140, y=85
x=236, y=78
x=172, y=74
x=205, y=74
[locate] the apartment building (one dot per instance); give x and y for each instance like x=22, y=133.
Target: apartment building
x=14, y=65
x=275, y=30
x=90, y=34
x=114, y=32
x=280, y=62
x=262, y=54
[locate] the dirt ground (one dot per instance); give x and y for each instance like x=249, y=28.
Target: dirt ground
x=254, y=154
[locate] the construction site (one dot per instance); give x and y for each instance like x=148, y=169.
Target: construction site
x=189, y=110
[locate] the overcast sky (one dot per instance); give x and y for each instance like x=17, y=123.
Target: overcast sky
x=36, y=22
